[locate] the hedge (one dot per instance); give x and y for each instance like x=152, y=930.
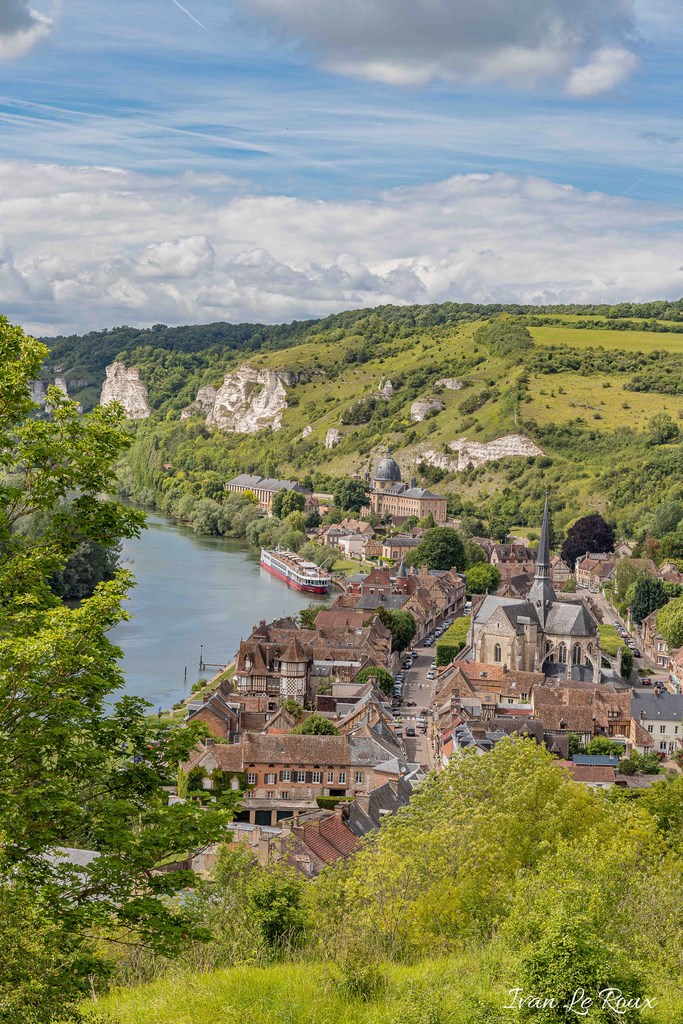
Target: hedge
x=452, y=641
x=328, y=803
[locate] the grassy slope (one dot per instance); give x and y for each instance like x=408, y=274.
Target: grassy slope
x=631, y=341
x=470, y=989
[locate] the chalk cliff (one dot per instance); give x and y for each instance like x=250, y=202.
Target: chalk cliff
x=249, y=400
x=122, y=384
x=476, y=453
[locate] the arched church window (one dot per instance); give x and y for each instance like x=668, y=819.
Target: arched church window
x=548, y=645
x=577, y=654
x=497, y=653
x=562, y=654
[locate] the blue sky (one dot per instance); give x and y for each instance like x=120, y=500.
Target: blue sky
x=290, y=158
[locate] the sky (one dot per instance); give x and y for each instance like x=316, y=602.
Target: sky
x=265, y=160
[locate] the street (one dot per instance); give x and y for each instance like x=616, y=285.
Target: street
x=421, y=690
x=609, y=616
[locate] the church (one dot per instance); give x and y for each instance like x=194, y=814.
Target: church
x=540, y=633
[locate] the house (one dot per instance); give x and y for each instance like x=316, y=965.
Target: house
x=278, y=659
x=513, y=554
x=389, y=496
x=676, y=671
x=587, y=710
x=661, y=715
x=219, y=713
x=593, y=776
x=359, y=526
x=352, y=546
x=398, y=547
x=594, y=569
x=378, y=581
x=654, y=646
x=559, y=571
x=283, y=774
x=265, y=489
x=670, y=573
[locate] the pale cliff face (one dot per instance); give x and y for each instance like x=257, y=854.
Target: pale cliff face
x=203, y=403
x=476, y=453
x=122, y=384
x=249, y=400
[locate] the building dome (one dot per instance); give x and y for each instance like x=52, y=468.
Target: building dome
x=388, y=470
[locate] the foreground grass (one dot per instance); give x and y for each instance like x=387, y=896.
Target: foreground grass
x=455, y=991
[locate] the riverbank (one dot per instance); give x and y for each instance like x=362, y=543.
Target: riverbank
x=195, y=598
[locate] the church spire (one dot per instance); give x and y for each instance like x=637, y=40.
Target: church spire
x=542, y=594
x=543, y=559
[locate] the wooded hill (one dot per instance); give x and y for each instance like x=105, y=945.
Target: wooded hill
x=589, y=389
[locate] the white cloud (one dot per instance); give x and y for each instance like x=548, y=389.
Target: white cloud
x=411, y=42
x=606, y=69
x=21, y=27
x=87, y=248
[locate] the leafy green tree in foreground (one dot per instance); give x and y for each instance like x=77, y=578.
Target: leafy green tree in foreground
x=384, y=678
x=75, y=769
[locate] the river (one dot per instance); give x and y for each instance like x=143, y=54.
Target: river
x=191, y=592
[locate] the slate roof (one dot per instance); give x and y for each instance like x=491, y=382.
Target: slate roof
x=652, y=708
x=266, y=483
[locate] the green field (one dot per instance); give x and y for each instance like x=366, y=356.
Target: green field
x=630, y=341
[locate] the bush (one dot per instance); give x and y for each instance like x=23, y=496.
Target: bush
x=452, y=641
x=328, y=803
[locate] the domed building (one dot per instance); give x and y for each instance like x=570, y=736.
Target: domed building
x=389, y=496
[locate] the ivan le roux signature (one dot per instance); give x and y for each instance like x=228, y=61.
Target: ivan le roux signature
x=580, y=1003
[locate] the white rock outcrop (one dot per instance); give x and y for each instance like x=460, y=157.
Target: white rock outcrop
x=249, y=400
x=307, y=430
x=122, y=384
x=476, y=453
x=385, y=389
x=202, y=405
x=332, y=437
x=421, y=408
x=60, y=383
x=450, y=383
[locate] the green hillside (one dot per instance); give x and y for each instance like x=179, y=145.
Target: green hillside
x=585, y=391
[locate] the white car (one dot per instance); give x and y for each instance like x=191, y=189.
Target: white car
x=431, y=674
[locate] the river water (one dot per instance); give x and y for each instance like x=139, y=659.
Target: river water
x=191, y=592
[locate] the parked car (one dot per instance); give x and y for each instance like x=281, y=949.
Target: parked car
x=431, y=674
x=428, y=643
x=410, y=731
x=411, y=704
x=413, y=654
x=421, y=722
x=408, y=663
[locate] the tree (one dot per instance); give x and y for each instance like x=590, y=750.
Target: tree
x=309, y=614
x=275, y=897
x=575, y=746
x=323, y=555
x=603, y=745
x=670, y=623
x=350, y=495
x=628, y=572
x=292, y=707
x=76, y=768
x=474, y=553
x=440, y=548
x=482, y=578
x=666, y=518
x=285, y=501
x=384, y=678
x=649, y=595
x=591, y=533
x=313, y=520
x=401, y=625
x=662, y=429
x=316, y=725
x=296, y=521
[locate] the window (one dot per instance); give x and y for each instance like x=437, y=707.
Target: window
x=359, y=778
x=284, y=795
x=662, y=745
x=497, y=653
x=251, y=778
x=650, y=728
x=524, y=696
x=675, y=730
x=562, y=654
x=577, y=654
x=330, y=777
x=301, y=776
x=662, y=728
x=286, y=775
x=270, y=778
x=270, y=794
x=317, y=776
x=342, y=777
